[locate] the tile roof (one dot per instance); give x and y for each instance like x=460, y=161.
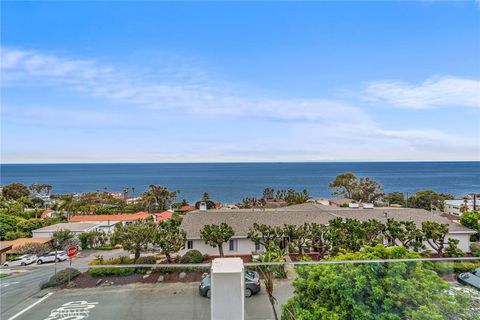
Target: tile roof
x=110, y=217
x=186, y=208
x=46, y=213
x=163, y=216
x=242, y=219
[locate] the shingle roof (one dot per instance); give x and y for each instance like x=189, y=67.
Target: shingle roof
x=110, y=217
x=242, y=219
x=22, y=241
x=73, y=226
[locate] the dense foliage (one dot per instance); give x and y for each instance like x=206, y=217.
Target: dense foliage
x=400, y=290
x=61, y=277
x=216, y=235
x=471, y=219
x=169, y=237
x=134, y=237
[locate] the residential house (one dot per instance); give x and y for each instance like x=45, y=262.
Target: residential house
x=455, y=207
x=75, y=227
x=106, y=222
x=241, y=220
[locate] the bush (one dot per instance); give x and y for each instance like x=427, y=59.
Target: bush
x=147, y=260
x=454, y=267
x=452, y=250
x=60, y=278
x=193, y=256
x=13, y=235
x=475, y=249
x=104, y=272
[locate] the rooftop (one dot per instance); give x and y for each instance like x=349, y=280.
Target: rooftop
x=74, y=227
x=110, y=217
x=242, y=219
x=20, y=242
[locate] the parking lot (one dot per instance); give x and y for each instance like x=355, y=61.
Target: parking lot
x=137, y=301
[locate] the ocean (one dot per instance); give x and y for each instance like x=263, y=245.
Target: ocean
x=230, y=182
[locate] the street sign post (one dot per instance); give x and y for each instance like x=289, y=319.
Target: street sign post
x=71, y=252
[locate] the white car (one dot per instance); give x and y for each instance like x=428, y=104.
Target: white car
x=50, y=257
x=21, y=261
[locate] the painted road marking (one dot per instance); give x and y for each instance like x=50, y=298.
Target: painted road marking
x=6, y=284
x=72, y=310
x=31, y=306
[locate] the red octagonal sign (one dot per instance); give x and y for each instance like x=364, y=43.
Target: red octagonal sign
x=72, y=251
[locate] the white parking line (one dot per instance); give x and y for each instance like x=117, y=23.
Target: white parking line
x=31, y=306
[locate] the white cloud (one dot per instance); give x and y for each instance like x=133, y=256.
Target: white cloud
x=318, y=129
x=434, y=92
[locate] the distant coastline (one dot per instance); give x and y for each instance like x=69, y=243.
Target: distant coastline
x=231, y=181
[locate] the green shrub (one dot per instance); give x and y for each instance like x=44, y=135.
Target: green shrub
x=454, y=267
x=147, y=260
x=104, y=272
x=475, y=249
x=60, y=278
x=452, y=250
x=13, y=235
x=193, y=256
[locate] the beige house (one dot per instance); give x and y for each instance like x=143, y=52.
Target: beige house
x=242, y=219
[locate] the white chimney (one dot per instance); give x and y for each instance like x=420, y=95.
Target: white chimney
x=203, y=206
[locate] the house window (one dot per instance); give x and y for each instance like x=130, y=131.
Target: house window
x=233, y=245
x=189, y=244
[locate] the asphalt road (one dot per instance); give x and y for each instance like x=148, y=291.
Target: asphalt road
x=137, y=301
x=22, y=287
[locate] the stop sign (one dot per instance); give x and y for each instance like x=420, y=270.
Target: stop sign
x=72, y=251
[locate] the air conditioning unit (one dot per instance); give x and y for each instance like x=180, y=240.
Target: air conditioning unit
x=353, y=205
x=203, y=206
x=368, y=206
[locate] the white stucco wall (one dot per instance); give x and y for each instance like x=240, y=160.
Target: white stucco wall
x=244, y=246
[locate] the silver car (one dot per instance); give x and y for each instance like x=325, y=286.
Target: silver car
x=21, y=261
x=50, y=257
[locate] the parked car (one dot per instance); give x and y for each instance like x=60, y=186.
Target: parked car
x=471, y=278
x=252, y=284
x=50, y=257
x=21, y=261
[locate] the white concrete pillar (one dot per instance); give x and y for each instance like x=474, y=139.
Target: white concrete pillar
x=227, y=289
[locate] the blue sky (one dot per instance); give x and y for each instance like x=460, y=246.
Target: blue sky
x=188, y=82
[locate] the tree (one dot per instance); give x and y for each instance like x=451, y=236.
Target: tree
x=297, y=235
x=435, y=234
x=15, y=191
x=345, y=184
x=265, y=234
x=158, y=198
x=169, y=237
x=368, y=190
x=452, y=250
x=376, y=290
x=471, y=219
x=404, y=233
x=428, y=199
x=134, y=237
x=294, y=197
x=317, y=240
x=61, y=239
x=396, y=198
x=216, y=235
x=273, y=254
x=93, y=239
x=268, y=194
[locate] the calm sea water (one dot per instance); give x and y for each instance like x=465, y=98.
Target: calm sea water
x=230, y=182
